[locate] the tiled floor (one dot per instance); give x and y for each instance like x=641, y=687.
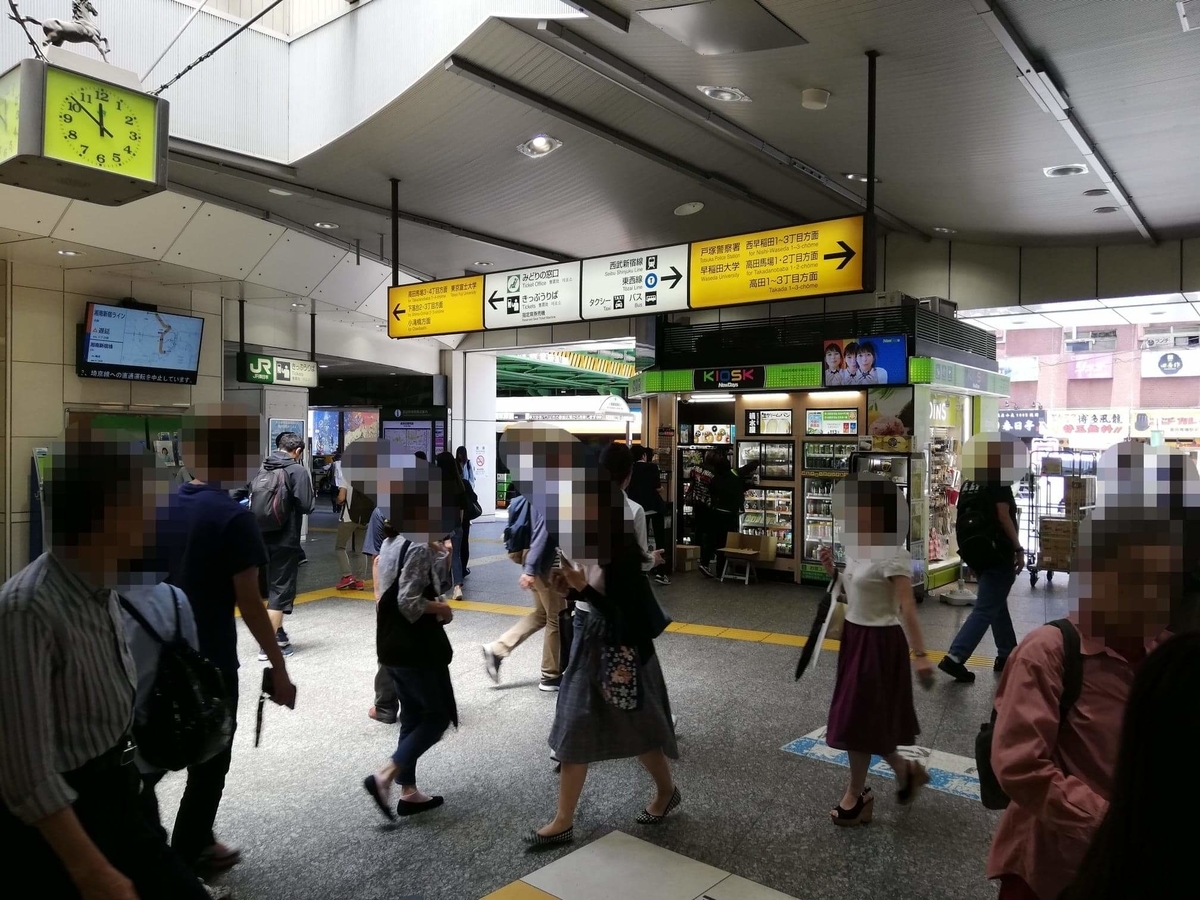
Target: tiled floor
x=620, y=866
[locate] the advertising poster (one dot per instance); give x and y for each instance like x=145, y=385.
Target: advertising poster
x=164, y=455
x=890, y=418
x=276, y=427
x=327, y=427
x=857, y=362
x=769, y=421
x=713, y=434
x=842, y=422
x=361, y=425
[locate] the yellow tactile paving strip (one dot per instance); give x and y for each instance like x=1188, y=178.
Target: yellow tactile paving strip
x=519, y=890
x=707, y=631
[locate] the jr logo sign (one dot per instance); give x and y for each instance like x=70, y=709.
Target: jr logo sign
x=747, y=377
x=260, y=369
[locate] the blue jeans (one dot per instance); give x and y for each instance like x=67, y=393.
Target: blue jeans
x=456, y=563
x=991, y=611
x=425, y=713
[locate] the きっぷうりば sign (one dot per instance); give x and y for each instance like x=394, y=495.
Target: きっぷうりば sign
x=815, y=259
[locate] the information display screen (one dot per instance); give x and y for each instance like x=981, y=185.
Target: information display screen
x=139, y=345
x=832, y=421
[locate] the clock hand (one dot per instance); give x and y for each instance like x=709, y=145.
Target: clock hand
x=103, y=131
x=79, y=103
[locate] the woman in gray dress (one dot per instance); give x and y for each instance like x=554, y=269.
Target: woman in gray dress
x=613, y=702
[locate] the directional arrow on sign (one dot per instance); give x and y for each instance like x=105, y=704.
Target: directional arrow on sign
x=674, y=277
x=845, y=256
x=494, y=300
x=396, y=313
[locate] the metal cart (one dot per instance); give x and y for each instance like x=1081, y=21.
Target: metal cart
x=1052, y=499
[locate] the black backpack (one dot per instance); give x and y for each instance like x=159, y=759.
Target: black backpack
x=361, y=507
x=188, y=715
x=990, y=792
x=271, y=499
x=519, y=533
x=981, y=543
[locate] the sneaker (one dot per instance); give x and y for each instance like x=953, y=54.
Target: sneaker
x=360, y=585
x=492, y=662
x=998, y=665
x=957, y=670
x=346, y=584
x=218, y=858
x=707, y=572
x=457, y=595
x=281, y=638
x=285, y=649
x=662, y=579
x=550, y=685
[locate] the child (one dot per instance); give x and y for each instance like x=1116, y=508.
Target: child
x=869, y=372
x=872, y=711
x=851, y=375
x=833, y=365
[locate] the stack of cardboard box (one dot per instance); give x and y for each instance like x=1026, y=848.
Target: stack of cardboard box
x=687, y=557
x=1058, y=537
x=1079, y=495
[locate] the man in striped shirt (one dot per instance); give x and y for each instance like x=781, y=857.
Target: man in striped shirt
x=70, y=816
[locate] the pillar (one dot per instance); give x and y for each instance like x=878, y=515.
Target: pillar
x=479, y=424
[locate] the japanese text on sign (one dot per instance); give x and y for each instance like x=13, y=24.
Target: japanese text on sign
x=436, y=307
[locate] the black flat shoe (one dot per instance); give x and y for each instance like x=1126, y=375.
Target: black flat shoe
x=408, y=808
x=535, y=841
x=960, y=673
x=372, y=787
x=645, y=817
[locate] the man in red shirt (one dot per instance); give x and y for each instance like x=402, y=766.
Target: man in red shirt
x=1059, y=773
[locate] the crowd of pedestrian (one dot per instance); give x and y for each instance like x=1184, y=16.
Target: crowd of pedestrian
x=119, y=656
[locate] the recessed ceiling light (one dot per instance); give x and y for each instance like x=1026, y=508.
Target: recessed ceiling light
x=1017, y=322
x=1063, y=171
x=71, y=253
x=539, y=145
x=327, y=226
x=1158, y=312
x=1096, y=192
x=297, y=305
x=322, y=365
x=391, y=373
x=723, y=94
x=858, y=176
x=482, y=263
x=279, y=192
x=814, y=98
x=1106, y=209
x=689, y=209
x=942, y=229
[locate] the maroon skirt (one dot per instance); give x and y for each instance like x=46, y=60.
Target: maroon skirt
x=872, y=709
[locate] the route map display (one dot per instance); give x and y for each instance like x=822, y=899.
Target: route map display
x=139, y=345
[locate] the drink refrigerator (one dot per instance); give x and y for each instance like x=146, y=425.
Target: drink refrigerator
x=771, y=510
x=825, y=463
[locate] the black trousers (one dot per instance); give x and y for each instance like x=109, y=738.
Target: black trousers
x=466, y=543
x=427, y=708
x=714, y=526
x=283, y=570
x=109, y=810
x=201, y=798
x=387, y=704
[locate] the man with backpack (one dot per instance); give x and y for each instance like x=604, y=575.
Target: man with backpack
x=529, y=544
x=986, y=529
x=281, y=495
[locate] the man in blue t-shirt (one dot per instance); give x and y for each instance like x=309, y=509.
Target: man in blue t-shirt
x=214, y=552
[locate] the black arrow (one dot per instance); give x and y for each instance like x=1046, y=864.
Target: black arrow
x=396, y=313
x=493, y=300
x=674, y=279
x=845, y=256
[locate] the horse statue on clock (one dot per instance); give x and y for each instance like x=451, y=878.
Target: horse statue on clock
x=81, y=29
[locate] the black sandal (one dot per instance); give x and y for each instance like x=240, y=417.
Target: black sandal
x=862, y=813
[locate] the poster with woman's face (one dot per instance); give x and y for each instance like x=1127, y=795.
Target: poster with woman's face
x=890, y=418
x=854, y=362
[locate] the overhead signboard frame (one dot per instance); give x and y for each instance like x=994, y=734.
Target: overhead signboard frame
x=817, y=259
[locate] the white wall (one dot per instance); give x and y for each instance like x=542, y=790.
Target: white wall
x=479, y=423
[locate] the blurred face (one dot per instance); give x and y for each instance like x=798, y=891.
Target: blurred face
x=221, y=444
x=992, y=457
x=858, y=512
x=411, y=494
x=1128, y=596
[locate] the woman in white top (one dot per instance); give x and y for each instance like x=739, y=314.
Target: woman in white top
x=872, y=711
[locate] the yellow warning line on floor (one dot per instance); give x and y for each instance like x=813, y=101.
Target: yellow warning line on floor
x=781, y=638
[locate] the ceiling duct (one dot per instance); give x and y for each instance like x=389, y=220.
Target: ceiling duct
x=723, y=27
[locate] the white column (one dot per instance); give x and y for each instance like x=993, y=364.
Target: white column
x=479, y=423
x=454, y=368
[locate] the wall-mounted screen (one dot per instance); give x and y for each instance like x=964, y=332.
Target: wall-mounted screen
x=832, y=421
x=139, y=345
x=858, y=362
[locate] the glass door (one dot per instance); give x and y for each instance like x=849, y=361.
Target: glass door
x=778, y=461
x=771, y=511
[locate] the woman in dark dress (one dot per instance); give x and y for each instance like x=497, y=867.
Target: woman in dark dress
x=613, y=702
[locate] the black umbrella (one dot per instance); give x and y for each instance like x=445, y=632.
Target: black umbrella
x=814, y=634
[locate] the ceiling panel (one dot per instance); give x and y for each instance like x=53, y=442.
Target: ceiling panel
x=351, y=283
x=297, y=263
x=1012, y=323
x=1093, y=318
x=1160, y=315
x=1149, y=300
x=146, y=227
x=45, y=252
x=30, y=211
x=221, y=240
x=1062, y=306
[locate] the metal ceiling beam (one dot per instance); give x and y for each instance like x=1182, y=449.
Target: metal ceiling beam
x=645, y=86
x=490, y=80
x=268, y=174
x=601, y=13
x=1052, y=99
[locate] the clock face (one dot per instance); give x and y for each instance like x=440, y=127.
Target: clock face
x=10, y=97
x=101, y=126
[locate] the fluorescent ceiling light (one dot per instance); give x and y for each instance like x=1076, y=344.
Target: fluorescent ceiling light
x=279, y=192
x=942, y=229
x=770, y=398
x=71, y=253
x=326, y=226
x=859, y=176
x=723, y=94
x=837, y=395
x=539, y=145
x=1064, y=171
x=710, y=398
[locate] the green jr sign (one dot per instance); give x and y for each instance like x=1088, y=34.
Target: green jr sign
x=254, y=368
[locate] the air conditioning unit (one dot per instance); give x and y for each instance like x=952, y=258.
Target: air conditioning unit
x=1079, y=345
x=1189, y=14
x=887, y=299
x=940, y=306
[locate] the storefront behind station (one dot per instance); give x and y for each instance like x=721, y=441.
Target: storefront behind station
x=804, y=426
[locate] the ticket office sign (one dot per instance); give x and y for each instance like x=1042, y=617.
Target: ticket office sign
x=546, y=295
x=454, y=306
x=811, y=260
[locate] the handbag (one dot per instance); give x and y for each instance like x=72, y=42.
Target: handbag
x=619, y=681
x=837, y=618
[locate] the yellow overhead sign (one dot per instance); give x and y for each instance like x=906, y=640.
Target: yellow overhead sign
x=799, y=261
x=436, y=307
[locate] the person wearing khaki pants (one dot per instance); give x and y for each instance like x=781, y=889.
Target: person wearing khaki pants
x=548, y=603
